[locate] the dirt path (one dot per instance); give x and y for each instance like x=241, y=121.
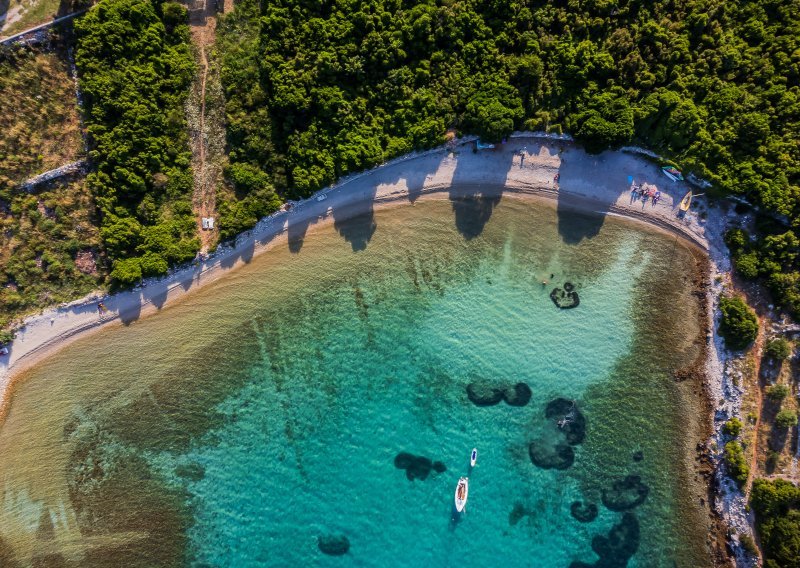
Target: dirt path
x=758, y=348
x=203, y=24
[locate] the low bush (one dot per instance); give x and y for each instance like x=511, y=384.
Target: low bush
x=732, y=427
x=778, y=349
x=736, y=461
x=786, y=419
x=777, y=393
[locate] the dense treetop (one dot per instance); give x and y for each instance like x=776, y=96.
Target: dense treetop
x=777, y=507
x=135, y=67
x=318, y=89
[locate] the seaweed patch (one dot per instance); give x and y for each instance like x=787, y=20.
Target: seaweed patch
x=625, y=494
x=583, y=512
x=483, y=393
x=333, y=544
x=565, y=298
x=417, y=467
x=618, y=547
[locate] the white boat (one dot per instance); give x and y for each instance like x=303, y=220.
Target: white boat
x=462, y=489
x=473, y=457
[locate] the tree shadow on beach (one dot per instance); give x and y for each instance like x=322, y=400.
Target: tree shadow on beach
x=477, y=188
x=575, y=172
x=131, y=313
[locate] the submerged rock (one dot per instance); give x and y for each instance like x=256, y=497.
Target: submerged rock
x=565, y=298
x=483, y=394
x=618, y=547
x=574, y=428
x=334, y=544
x=625, y=494
x=551, y=456
x=518, y=395
x=517, y=514
x=583, y=512
x=417, y=467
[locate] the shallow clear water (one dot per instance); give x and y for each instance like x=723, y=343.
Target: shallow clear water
x=241, y=425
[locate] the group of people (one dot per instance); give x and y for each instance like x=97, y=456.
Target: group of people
x=645, y=193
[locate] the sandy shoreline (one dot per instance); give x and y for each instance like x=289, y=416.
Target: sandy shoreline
x=523, y=167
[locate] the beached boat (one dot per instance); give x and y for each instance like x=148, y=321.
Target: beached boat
x=473, y=457
x=462, y=490
x=686, y=202
x=672, y=173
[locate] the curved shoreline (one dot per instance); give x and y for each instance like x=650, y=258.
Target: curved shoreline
x=525, y=167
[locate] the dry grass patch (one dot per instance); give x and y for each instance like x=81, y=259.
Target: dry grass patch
x=39, y=124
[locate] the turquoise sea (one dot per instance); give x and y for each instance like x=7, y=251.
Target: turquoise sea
x=259, y=421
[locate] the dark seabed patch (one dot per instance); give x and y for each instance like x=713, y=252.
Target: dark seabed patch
x=618, y=547
x=583, y=512
x=485, y=393
x=417, y=467
x=625, y=494
x=333, y=544
x=565, y=298
x=546, y=455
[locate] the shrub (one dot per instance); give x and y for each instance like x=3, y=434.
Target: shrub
x=786, y=419
x=779, y=349
x=777, y=393
x=736, y=461
x=739, y=325
x=737, y=240
x=732, y=427
x=747, y=265
x=748, y=544
x=6, y=336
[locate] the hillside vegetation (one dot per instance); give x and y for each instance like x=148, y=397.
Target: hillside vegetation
x=135, y=65
x=318, y=89
x=39, y=125
x=49, y=243
x=777, y=507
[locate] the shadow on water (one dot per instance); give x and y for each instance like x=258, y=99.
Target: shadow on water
x=358, y=229
x=296, y=231
x=473, y=202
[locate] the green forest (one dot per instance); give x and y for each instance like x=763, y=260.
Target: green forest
x=777, y=507
x=315, y=90
x=318, y=89
x=136, y=65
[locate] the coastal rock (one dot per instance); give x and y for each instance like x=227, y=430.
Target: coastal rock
x=417, y=467
x=483, y=394
x=583, y=512
x=618, y=547
x=575, y=427
x=333, y=544
x=625, y=494
x=551, y=456
x=518, y=395
x=565, y=298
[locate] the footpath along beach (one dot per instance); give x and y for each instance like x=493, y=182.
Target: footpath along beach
x=526, y=166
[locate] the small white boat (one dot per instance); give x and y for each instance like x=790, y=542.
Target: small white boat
x=462, y=490
x=473, y=457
